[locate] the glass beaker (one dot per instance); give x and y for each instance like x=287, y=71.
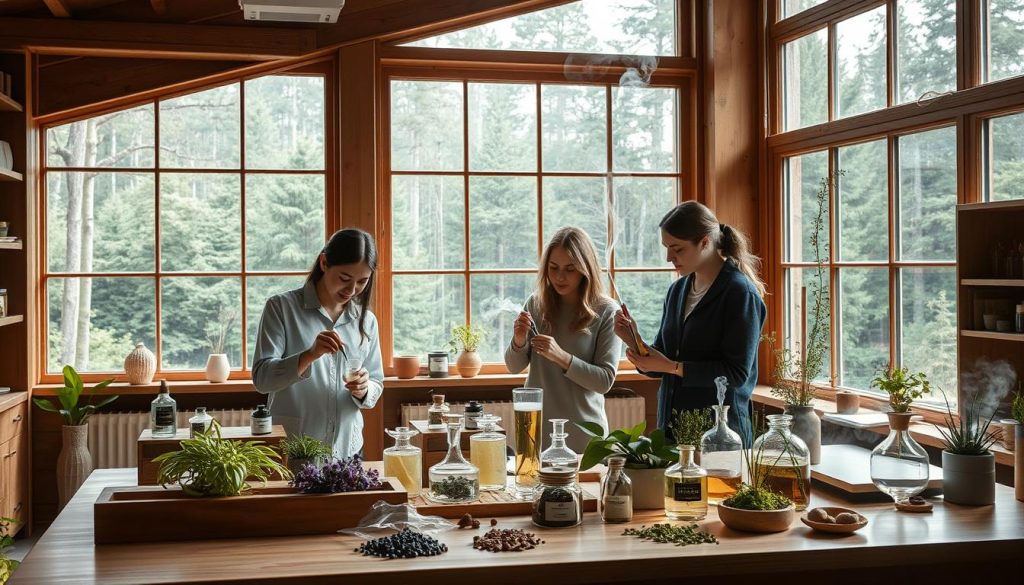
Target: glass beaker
x=527, y=406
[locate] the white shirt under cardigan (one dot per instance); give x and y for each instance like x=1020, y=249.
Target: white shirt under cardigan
x=316, y=403
x=577, y=393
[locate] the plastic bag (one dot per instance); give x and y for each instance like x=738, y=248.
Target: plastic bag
x=384, y=517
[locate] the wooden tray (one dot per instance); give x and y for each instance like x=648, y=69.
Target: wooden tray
x=154, y=514
x=490, y=504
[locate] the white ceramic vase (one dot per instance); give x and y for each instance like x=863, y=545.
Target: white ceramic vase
x=217, y=367
x=140, y=365
x=74, y=464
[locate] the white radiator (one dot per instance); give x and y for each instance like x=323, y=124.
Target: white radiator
x=113, y=436
x=621, y=412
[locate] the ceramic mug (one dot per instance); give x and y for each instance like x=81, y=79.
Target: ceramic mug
x=1008, y=429
x=990, y=321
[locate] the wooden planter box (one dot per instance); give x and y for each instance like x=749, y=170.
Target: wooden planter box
x=154, y=514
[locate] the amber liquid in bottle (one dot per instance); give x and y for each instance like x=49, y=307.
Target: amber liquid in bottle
x=721, y=487
x=794, y=482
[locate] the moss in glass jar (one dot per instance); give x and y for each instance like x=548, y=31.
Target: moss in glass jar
x=453, y=488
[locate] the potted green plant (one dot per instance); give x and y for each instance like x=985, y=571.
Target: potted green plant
x=899, y=465
x=74, y=464
x=968, y=465
x=646, y=459
x=7, y=565
x=300, y=450
x=465, y=341
x=688, y=426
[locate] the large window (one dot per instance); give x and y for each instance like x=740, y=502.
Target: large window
x=170, y=223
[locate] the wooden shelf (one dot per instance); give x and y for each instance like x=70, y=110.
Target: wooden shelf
x=11, y=320
x=992, y=335
x=13, y=176
x=7, y=104
x=993, y=282
x=11, y=245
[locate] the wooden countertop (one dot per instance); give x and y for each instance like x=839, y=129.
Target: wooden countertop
x=12, y=399
x=978, y=540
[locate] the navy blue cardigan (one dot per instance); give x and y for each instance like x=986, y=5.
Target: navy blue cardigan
x=720, y=338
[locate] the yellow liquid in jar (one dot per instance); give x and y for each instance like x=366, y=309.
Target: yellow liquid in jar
x=408, y=468
x=527, y=424
x=489, y=457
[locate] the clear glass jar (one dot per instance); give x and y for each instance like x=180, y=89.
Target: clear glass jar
x=527, y=406
x=899, y=466
x=200, y=422
x=487, y=452
x=437, y=412
x=557, y=498
x=559, y=454
x=686, y=488
x=404, y=461
x=616, y=493
x=782, y=462
x=721, y=454
x=453, y=479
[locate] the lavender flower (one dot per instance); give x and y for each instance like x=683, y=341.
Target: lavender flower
x=337, y=475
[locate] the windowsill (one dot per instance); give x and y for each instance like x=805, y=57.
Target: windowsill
x=487, y=380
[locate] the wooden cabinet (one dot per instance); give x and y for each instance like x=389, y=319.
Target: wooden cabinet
x=14, y=470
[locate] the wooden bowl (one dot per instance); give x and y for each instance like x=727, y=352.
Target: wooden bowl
x=406, y=366
x=756, y=520
x=835, y=528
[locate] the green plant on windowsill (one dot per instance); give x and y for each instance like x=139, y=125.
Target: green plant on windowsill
x=465, y=338
x=7, y=566
x=755, y=494
x=67, y=399
x=968, y=435
x=902, y=387
x=1017, y=406
x=209, y=465
x=641, y=452
x=688, y=426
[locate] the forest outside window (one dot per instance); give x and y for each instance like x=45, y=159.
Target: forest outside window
x=145, y=213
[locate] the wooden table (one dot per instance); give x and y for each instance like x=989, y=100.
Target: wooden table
x=952, y=543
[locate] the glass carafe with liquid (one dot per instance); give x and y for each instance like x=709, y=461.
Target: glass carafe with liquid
x=453, y=479
x=721, y=455
x=559, y=454
x=487, y=452
x=782, y=462
x=404, y=461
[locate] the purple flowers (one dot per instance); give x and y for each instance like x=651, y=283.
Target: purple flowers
x=337, y=475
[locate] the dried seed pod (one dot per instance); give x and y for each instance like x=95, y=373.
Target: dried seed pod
x=847, y=518
x=818, y=515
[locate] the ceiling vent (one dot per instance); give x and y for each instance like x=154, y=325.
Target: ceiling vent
x=292, y=10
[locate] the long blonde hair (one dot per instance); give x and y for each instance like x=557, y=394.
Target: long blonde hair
x=583, y=254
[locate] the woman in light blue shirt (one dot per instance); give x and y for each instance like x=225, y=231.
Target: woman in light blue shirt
x=307, y=334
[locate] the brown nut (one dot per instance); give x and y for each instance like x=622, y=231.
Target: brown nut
x=818, y=515
x=494, y=522
x=847, y=518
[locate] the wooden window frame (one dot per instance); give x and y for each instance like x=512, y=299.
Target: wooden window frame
x=324, y=67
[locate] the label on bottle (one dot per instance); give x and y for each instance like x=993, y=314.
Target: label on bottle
x=260, y=426
x=618, y=507
x=439, y=364
x=560, y=511
x=164, y=416
x=471, y=422
x=196, y=427
x=434, y=418
x=687, y=492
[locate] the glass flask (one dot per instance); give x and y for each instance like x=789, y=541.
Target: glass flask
x=782, y=462
x=616, y=493
x=686, y=488
x=899, y=466
x=487, y=452
x=453, y=479
x=527, y=406
x=721, y=454
x=559, y=454
x=404, y=461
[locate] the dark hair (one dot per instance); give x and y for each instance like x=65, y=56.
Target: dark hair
x=350, y=246
x=691, y=221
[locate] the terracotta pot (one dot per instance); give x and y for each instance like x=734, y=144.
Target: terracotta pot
x=74, y=464
x=757, y=520
x=807, y=426
x=969, y=479
x=217, y=367
x=648, y=488
x=406, y=366
x=468, y=364
x=140, y=365
x=847, y=402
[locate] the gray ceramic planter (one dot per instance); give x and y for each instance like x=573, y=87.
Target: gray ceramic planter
x=807, y=426
x=969, y=479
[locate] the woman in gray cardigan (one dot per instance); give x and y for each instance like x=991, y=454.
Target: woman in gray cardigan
x=566, y=334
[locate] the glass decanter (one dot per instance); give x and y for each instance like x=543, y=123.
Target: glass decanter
x=686, y=488
x=899, y=466
x=487, y=452
x=404, y=461
x=782, y=462
x=559, y=454
x=453, y=479
x=721, y=454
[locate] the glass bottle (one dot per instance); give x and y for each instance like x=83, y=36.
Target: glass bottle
x=899, y=466
x=557, y=499
x=559, y=454
x=260, y=421
x=616, y=493
x=453, y=479
x=686, y=488
x=474, y=410
x=487, y=452
x=200, y=422
x=721, y=454
x=782, y=462
x=404, y=461
x=436, y=412
x=163, y=413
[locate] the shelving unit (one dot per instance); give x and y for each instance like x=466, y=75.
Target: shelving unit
x=980, y=228
x=11, y=320
x=11, y=246
x=6, y=175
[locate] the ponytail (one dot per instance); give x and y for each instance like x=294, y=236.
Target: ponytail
x=734, y=244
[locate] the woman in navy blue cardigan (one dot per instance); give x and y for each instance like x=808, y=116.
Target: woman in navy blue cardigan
x=712, y=320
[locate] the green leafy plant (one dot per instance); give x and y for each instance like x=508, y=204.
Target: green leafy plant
x=902, y=387
x=304, y=447
x=209, y=465
x=465, y=338
x=755, y=494
x=968, y=435
x=1017, y=407
x=7, y=565
x=67, y=398
x=641, y=452
x=794, y=372
x=688, y=426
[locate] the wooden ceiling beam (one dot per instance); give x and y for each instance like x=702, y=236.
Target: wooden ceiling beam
x=58, y=8
x=148, y=40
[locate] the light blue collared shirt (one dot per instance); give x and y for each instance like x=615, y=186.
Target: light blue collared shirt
x=315, y=403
